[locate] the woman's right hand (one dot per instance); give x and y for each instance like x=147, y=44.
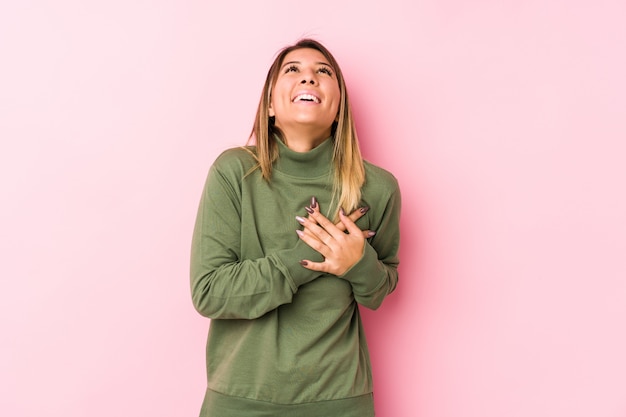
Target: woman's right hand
x=354, y=216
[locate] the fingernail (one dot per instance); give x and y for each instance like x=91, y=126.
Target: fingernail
x=304, y=263
x=300, y=219
x=343, y=213
x=371, y=233
x=309, y=210
x=364, y=210
x=300, y=233
x=313, y=202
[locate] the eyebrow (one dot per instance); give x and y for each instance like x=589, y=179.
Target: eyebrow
x=299, y=62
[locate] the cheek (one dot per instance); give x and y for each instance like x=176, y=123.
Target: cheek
x=337, y=102
x=336, y=94
x=278, y=96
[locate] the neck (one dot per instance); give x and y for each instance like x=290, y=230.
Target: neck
x=303, y=140
x=312, y=164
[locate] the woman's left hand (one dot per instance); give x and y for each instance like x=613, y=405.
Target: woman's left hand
x=340, y=249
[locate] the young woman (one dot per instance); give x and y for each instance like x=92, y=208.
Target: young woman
x=279, y=266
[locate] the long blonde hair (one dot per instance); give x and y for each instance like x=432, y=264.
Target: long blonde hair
x=349, y=172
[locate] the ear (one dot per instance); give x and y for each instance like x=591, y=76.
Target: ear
x=270, y=109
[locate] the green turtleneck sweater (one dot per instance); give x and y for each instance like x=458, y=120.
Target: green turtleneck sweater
x=285, y=340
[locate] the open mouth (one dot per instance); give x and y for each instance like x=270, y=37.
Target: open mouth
x=306, y=98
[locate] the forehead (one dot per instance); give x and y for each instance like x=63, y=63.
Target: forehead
x=305, y=55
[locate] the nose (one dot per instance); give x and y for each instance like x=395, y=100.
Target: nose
x=308, y=78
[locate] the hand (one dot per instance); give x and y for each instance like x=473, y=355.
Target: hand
x=340, y=244
x=354, y=216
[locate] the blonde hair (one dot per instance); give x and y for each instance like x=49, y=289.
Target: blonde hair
x=349, y=172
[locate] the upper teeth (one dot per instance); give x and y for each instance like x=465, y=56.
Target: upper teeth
x=306, y=97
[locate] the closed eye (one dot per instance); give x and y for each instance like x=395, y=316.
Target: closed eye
x=325, y=70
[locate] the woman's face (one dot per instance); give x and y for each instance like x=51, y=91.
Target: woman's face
x=305, y=96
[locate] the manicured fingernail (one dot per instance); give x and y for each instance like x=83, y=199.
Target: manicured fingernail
x=343, y=213
x=304, y=263
x=313, y=202
x=300, y=219
x=309, y=210
x=364, y=210
x=371, y=233
x=300, y=233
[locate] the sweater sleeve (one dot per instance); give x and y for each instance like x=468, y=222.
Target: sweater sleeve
x=224, y=286
x=375, y=275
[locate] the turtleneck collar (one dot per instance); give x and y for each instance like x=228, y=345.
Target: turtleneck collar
x=310, y=164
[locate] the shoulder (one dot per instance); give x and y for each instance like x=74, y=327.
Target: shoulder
x=379, y=180
x=236, y=160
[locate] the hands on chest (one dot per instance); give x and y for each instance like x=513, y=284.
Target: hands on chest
x=341, y=244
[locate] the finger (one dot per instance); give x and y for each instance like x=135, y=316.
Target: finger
x=314, y=266
x=310, y=234
x=311, y=211
x=325, y=224
x=313, y=207
x=314, y=243
x=354, y=216
x=358, y=213
x=351, y=227
x=313, y=230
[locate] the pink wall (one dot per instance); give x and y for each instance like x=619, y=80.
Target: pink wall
x=504, y=121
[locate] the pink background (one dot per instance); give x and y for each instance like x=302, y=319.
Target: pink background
x=504, y=122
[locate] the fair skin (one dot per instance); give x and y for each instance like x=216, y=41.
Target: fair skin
x=305, y=102
x=340, y=244
x=305, y=99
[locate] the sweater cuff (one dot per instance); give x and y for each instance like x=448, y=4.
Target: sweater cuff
x=367, y=274
x=289, y=259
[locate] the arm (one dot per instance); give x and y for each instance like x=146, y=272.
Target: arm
x=223, y=285
x=375, y=275
x=370, y=267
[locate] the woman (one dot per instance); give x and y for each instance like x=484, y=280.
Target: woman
x=280, y=280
